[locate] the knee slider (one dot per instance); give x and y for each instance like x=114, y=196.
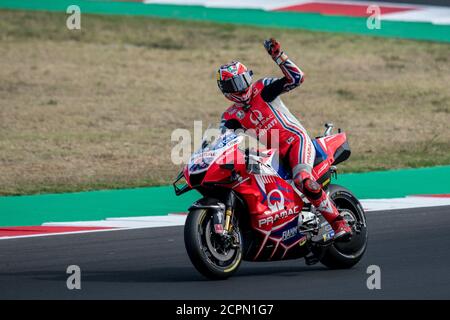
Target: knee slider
x=301, y=176
x=311, y=189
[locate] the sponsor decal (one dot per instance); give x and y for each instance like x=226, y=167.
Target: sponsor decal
x=232, y=69
x=328, y=236
x=258, y=119
x=323, y=167
x=218, y=228
x=198, y=167
x=232, y=110
x=290, y=233
x=224, y=158
x=240, y=114
x=227, y=141
x=277, y=216
x=308, y=152
x=325, y=206
x=278, y=200
x=260, y=122
x=270, y=125
x=302, y=241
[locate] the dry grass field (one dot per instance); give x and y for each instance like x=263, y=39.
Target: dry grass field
x=95, y=108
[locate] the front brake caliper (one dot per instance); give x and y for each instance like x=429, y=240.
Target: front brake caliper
x=218, y=220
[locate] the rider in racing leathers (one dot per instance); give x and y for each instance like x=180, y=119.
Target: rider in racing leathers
x=258, y=106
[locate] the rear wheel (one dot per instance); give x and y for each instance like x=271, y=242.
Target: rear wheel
x=342, y=255
x=214, y=256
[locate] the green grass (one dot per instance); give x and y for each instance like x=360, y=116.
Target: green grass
x=94, y=109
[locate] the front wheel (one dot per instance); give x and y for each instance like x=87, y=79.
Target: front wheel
x=343, y=255
x=215, y=256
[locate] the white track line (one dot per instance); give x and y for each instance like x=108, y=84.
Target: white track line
x=369, y=205
x=433, y=15
x=63, y=233
x=232, y=4
x=272, y=5
x=128, y=223
x=418, y=12
x=403, y=203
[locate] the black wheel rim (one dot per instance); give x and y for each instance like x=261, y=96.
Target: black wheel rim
x=352, y=214
x=216, y=252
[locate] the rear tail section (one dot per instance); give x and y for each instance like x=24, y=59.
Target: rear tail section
x=335, y=147
x=330, y=150
x=339, y=148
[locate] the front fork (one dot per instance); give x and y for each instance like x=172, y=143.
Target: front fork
x=223, y=226
x=223, y=214
x=229, y=207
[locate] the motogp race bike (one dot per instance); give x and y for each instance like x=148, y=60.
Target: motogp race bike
x=251, y=210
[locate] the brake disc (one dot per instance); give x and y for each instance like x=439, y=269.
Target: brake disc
x=214, y=249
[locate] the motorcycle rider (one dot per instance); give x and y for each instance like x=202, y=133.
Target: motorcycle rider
x=258, y=106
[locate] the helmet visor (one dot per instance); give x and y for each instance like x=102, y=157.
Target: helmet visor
x=238, y=83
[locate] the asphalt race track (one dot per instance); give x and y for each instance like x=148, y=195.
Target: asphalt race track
x=412, y=248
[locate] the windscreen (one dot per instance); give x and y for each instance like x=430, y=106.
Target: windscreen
x=211, y=149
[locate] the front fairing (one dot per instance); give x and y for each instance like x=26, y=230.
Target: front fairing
x=205, y=165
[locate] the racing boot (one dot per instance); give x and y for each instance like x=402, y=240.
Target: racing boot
x=319, y=199
x=342, y=230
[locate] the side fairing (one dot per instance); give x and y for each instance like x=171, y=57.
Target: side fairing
x=274, y=209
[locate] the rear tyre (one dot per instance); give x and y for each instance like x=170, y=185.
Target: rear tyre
x=343, y=255
x=210, y=254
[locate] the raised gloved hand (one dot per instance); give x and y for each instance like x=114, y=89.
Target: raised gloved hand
x=273, y=47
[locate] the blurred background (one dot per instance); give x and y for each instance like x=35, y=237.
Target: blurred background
x=94, y=108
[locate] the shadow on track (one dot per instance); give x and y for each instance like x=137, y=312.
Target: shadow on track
x=166, y=274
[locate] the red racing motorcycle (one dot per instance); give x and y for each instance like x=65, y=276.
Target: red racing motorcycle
x=251, y=210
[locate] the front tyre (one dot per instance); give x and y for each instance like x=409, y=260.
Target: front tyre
x=212, y=255
x=343, y=255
